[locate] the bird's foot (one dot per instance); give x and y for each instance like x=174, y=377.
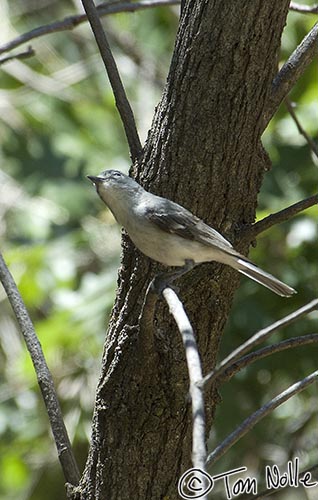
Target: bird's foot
x=164, y=280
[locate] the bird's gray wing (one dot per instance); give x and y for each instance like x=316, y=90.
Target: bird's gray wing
x=173, y=218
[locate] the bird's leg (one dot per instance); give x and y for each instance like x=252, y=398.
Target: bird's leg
x=163, y=280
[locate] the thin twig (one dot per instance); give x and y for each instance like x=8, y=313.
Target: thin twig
x=304, y=9
x=195, y=374
x=256, y=339
x=70, y=22
x=250, y=232
x=248, y=359
x=146, y=316
x=253, y=419
x=122, y=102
x=291, y=71
x=21, y=55
x=44, y=377
x=301, y=130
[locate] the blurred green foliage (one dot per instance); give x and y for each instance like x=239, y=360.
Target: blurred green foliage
x=58, y=123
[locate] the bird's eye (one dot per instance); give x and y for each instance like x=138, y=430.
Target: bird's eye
x=116, y=174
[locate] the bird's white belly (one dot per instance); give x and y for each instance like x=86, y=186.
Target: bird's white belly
x=171, y=249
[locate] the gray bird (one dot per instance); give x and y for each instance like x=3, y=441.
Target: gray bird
x=171, y=234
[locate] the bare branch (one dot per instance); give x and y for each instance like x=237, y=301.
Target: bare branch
x=21, y=55
x=256, y=339
x=300, y=128
x=248, y=359
x=122, y=102
x=291, y=71
x=253, y=419
x=250, y=232
x=304, y=9
x=147, y=312
x=70, y=22
x=44, y=377
x=195, y=375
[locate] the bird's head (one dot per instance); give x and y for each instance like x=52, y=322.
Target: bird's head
x=112, y=184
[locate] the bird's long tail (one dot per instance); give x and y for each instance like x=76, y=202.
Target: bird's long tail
x=257, y=274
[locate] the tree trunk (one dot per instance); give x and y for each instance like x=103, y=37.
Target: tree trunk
x=203, y=151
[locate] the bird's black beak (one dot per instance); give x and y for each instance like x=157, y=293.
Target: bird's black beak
x=94, y=180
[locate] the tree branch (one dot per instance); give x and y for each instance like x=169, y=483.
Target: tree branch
x=145, y=319
x=300, y=128
x=248, y=359
x=305, y=9
x=253, y=419
x=256, y=339
x=44, y=377
x=195, y=375
x=250, y=232
x=70, y=22
x=21, y=55
x=122, y=102
x=291, y=71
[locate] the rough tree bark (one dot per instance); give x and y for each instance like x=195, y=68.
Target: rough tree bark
x=204, y=151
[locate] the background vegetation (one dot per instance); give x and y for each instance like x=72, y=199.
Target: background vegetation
x=58, y=123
